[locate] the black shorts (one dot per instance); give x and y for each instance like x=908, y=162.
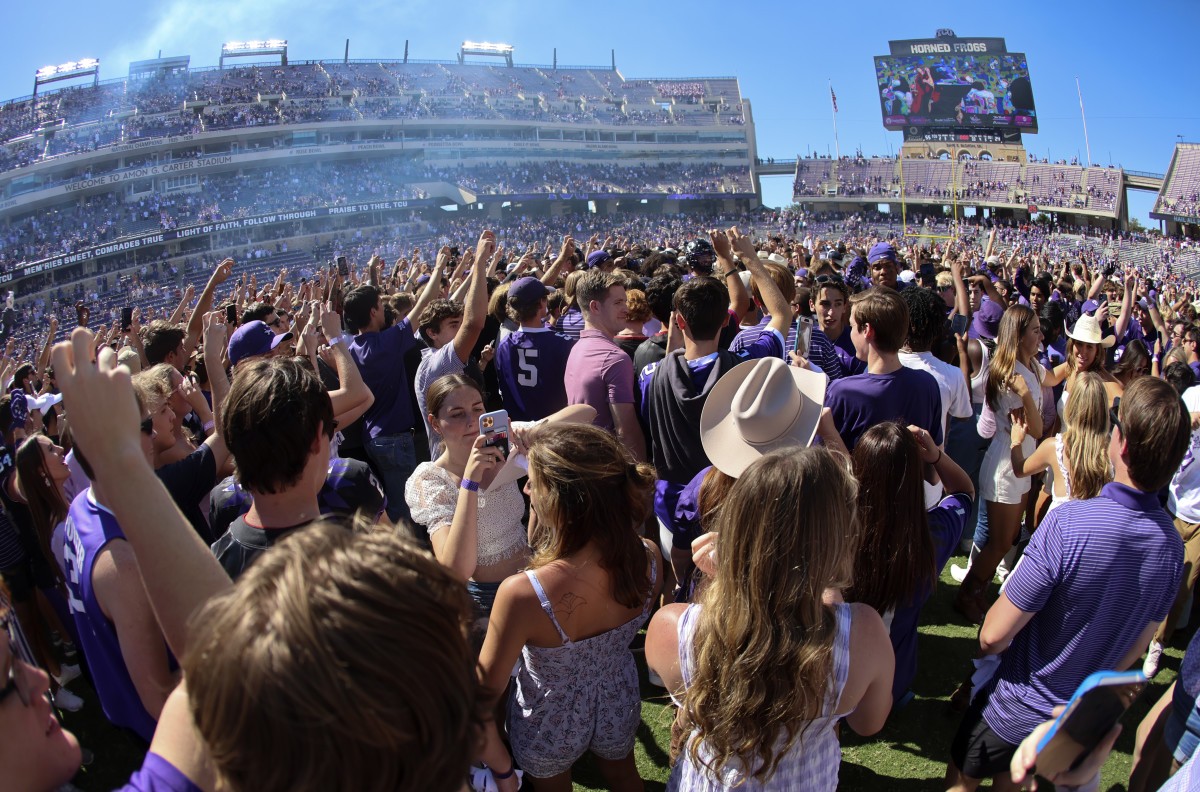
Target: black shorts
x=977, y=750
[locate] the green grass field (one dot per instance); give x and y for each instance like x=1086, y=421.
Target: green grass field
x=909, y=754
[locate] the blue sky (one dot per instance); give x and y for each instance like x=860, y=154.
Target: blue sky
x=1131, y=59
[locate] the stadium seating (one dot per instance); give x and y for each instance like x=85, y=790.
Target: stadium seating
x=1181, y=188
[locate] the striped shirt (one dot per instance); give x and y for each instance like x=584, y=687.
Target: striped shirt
x=1095, y=574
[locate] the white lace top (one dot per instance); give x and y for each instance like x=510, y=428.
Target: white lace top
x=432, y=495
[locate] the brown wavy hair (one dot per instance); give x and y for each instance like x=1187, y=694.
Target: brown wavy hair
x=896, y=560
x=1086, y=434
x=340, y=660
x=1016, y=320
x=763, y=648
x=590, y=490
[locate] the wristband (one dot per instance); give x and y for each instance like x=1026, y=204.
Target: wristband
x=336, y=340
x=501, y=776
x=469, y=486
x=733, y=271
x=939, y=457
x=209, y=425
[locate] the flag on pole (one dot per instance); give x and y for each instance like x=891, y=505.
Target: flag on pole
x=833, y=97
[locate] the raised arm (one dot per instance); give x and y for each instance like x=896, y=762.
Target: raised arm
x=962, y=299
x=196, y=324
x=188, y=295
x=353, y=397
x=739, y=296
x=44, y=357
x=1126, y=304
x=179, y=572
x=475, y=304
x=567, y=253
x=432, y=286
x=214, y=362
x=773, y=300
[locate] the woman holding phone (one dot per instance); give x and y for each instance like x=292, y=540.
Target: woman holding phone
x=476, y=532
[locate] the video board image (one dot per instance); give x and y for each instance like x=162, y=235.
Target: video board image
x=956, y=90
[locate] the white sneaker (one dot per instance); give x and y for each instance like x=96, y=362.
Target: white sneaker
x=65, y=699
x=67, y=675
x=1153, y=657
x=959, y=573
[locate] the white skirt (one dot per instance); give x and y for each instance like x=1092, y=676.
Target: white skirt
x=997, y=482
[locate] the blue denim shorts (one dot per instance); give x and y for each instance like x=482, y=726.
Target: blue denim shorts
x=1182, y=732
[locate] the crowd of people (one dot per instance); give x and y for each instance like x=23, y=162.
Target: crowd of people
x=129, y=110
x=106, y=217
x=300, y=501
x=970, y=180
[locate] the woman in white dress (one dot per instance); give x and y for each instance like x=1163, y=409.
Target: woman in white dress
x=1014, y=385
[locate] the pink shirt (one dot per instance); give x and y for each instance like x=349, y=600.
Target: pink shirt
x=599, y=373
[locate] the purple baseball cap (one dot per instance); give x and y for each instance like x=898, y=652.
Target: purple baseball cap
x=598, y=257
x=527, y=290
x=253, y=338
x=884, y=251
x=1089, y=306
x=986, y=322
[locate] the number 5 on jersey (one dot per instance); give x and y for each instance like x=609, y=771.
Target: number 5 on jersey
x=527, y=376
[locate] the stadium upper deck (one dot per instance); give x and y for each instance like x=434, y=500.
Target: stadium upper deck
x=129, y=110
x=1027, y=187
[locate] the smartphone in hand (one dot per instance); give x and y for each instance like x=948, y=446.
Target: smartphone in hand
x=494, y=426
x=1097, y=706
x=804, y=328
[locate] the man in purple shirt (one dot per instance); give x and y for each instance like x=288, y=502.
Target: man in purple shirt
x=379, y=353
x=887, y=391
x=599, y=373
x=1095, y=581
x=531, y=362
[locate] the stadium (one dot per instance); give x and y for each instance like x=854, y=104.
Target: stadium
x=172, y=163
x=131, y=190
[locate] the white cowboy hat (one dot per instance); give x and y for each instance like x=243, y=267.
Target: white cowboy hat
x=1087, y=330
x=758, y=407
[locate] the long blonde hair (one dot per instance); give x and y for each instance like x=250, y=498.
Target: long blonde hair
x=1085, y=436
x=763, y=648
x=1016, y=320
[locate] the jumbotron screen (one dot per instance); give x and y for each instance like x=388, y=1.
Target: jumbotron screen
x=958, y=90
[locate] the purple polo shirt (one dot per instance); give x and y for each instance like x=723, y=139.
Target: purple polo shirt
x=380, y=359
x=599, y=373
x=1094, y=575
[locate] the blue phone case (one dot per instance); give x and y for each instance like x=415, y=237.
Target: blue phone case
x=1096, y=680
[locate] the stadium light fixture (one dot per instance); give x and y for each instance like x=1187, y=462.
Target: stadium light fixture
x=66, y=71
x=487, y=49
x=254, y=47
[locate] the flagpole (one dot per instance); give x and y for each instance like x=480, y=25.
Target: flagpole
x=833, y=107
x=1083, y=115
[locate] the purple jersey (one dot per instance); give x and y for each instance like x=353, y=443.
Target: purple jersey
x=90, y=527
x=531, y=364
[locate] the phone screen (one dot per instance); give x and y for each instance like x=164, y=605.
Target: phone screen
x=958, y=324
x=126, y=317
x=231, y=314
x=804, y=327
x=343, y=268
x=1083, y=724
x=494, y=426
